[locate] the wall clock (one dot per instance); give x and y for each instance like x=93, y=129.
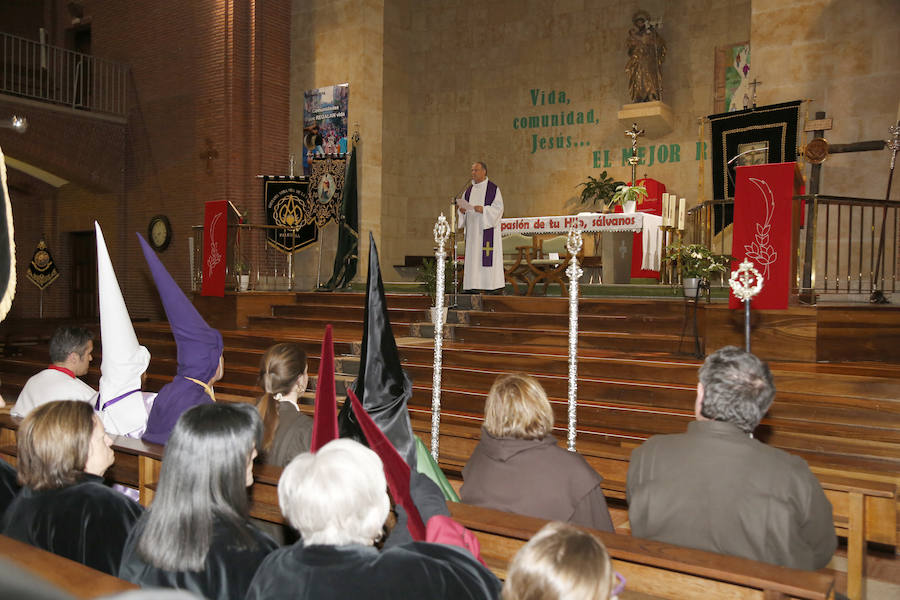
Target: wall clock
x=159, y=232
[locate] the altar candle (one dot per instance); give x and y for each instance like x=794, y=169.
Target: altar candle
x=682, y=210
x=665, y=209
x=670, y=211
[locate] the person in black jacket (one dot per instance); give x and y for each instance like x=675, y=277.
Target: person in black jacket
x=337, y=498
x=64, y=507
x=197, y=535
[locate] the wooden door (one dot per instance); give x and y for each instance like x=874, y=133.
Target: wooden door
x=84, y=275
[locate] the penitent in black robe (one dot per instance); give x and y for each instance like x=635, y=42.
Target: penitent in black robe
x=416, y=570
x=87, y=522
x=230, y=564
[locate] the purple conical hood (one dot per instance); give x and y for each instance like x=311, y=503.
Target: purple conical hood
x=199, y=345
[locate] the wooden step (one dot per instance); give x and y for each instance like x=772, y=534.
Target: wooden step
x=505, y=337
x=671, y=325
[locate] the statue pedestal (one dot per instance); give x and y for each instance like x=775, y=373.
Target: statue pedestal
x=655, y=118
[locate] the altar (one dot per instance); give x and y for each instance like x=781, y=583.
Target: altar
x=616, y=249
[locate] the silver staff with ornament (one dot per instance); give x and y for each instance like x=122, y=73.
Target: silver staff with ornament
x=573, y=245
x=441, y=233
x=745, y=283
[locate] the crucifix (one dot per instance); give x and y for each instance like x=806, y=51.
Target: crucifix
x=753, y=84
x=634, y=133
x=210, y=154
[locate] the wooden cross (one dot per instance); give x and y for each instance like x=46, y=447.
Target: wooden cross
x=210, y=155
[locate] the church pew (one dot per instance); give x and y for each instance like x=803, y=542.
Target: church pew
x=75, y=578
x=863, y=510
x=654, y=568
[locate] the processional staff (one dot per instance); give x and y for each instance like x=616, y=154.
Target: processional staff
x=574, y=272
x=441, y=233
x=745, y=283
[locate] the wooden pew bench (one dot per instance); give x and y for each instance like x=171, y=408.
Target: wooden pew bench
x=864, y=511
x=70, y=576
x=654, y=568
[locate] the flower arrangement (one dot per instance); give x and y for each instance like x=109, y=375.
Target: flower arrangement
x=696, y=260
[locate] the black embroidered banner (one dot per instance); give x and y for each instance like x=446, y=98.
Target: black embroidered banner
x=289, y=207
x=767, y=134
x=42, y=270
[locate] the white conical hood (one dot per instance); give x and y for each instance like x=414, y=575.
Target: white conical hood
x=124, y=360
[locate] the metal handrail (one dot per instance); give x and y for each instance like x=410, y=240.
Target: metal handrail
x=56, y=75
x=841, y=235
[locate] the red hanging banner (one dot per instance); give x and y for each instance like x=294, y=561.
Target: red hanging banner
x=762, y=229
x=215, y=234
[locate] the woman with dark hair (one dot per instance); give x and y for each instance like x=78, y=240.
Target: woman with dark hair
x=196, y=534
x=63, y=506
x=286, y=431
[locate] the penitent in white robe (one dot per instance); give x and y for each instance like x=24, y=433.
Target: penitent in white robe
x=476, y=276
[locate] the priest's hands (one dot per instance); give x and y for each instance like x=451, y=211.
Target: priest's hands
x=478, y=209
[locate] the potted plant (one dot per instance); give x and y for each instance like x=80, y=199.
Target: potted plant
x=427, y=274
x=628, y=197
x=242, y=271
x=697, y=263
x=597, y=192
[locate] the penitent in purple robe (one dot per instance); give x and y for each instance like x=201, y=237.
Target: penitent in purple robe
x=199, y=350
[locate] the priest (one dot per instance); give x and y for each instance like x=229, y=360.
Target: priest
x=480, y=211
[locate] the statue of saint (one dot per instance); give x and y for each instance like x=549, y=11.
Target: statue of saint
x=646, y=53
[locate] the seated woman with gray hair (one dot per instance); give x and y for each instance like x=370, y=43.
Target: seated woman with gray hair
x=63, y=506
x=337, y=498
x=561, y=562
x=197, y=535
x=518, y=467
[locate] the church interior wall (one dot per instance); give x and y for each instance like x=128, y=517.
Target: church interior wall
x=843, y=57
x=473, y=69
x=479, y=69
x=334, y=42
x=208, y=105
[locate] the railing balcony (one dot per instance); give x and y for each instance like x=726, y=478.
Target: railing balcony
x=51, y=74
x=248, y=253
x=843, y=234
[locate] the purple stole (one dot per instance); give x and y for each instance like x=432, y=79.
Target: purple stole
x=487, y=251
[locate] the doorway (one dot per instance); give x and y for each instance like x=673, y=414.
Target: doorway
x=84, y=275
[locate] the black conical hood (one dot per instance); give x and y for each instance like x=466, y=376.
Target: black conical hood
x=382, y=386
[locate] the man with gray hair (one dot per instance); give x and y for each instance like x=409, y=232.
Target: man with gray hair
x=71, y=351
x=716, y=488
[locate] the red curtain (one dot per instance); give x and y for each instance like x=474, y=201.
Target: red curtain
x=215, y=234
x=762, y=229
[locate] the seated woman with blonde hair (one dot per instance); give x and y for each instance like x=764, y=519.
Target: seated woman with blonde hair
x=562, y=562
x=64, y=507
x=518, y=467
x=286, y=431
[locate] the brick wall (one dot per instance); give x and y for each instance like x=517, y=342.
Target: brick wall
x=208, y=79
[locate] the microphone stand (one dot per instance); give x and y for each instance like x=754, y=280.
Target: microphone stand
x=454, y=212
